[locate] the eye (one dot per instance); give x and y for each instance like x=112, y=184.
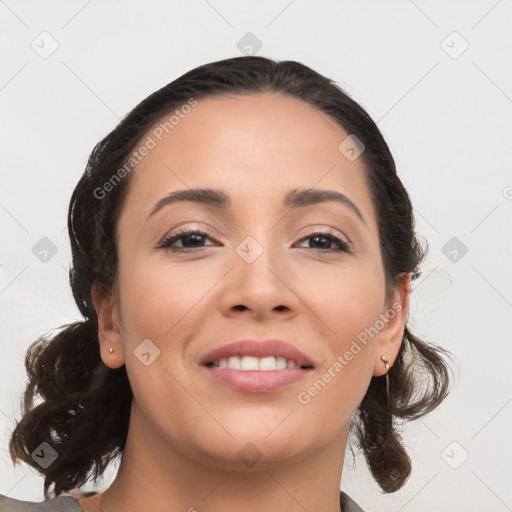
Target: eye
x=190, y=239
x=323, y=241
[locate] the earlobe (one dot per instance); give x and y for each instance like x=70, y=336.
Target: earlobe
x=109, y=332
x=389, y=339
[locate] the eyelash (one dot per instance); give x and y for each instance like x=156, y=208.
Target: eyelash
x=343, y=245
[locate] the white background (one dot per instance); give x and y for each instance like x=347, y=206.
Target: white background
x=449, y=125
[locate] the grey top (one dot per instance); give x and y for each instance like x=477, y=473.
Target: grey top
x=70, y=504
x=60, y=504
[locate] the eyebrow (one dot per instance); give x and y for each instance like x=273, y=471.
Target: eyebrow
x=295, y=198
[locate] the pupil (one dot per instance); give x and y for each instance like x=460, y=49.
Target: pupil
x=196, y=239
x=325, y=245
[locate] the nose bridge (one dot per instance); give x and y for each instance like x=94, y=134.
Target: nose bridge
x=254, y=257
x=259, y=274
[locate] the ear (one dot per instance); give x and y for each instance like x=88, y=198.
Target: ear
x=109, y=330
x=394, y=315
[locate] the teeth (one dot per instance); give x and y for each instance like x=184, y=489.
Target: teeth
x=266, y=363
x=282, y=363
x=250, y=363
x=234, y=363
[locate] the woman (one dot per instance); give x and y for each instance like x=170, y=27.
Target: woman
x=242, y=255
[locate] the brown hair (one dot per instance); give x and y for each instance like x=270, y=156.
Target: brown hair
x=84, y=406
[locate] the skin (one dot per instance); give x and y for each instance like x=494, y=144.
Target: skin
x=185, y=430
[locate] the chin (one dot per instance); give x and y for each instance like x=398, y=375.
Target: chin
x=254, y=449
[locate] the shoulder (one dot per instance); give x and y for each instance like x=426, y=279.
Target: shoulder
x=348, y=504
x=60, y=504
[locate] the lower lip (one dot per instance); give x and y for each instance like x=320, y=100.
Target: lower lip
x=257, y=381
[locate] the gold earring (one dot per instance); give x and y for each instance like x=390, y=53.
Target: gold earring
x=111, y=350
x=385, y=360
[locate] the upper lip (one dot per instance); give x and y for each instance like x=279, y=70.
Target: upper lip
x=258, y=349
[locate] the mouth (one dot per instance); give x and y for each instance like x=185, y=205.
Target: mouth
x=252, y=366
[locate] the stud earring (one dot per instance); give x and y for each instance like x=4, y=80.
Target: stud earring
x=111, y=350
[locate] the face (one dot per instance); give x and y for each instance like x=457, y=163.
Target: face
x=262, y=266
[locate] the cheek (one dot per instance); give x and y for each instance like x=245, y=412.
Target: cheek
x=159, y=299
x=348, y=303
x=162, y=303
x=347, y=299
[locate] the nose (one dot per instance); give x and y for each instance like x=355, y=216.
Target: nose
x=262, y=289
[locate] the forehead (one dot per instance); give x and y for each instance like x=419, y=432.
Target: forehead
x=267, y=123
x=250, y=146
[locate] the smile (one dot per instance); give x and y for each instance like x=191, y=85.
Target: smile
x=250, y=363
x=256, y=366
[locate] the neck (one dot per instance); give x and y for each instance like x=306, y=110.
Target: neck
x=156, y=476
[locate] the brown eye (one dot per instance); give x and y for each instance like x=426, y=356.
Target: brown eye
x=190, y=239
x=324, y=242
